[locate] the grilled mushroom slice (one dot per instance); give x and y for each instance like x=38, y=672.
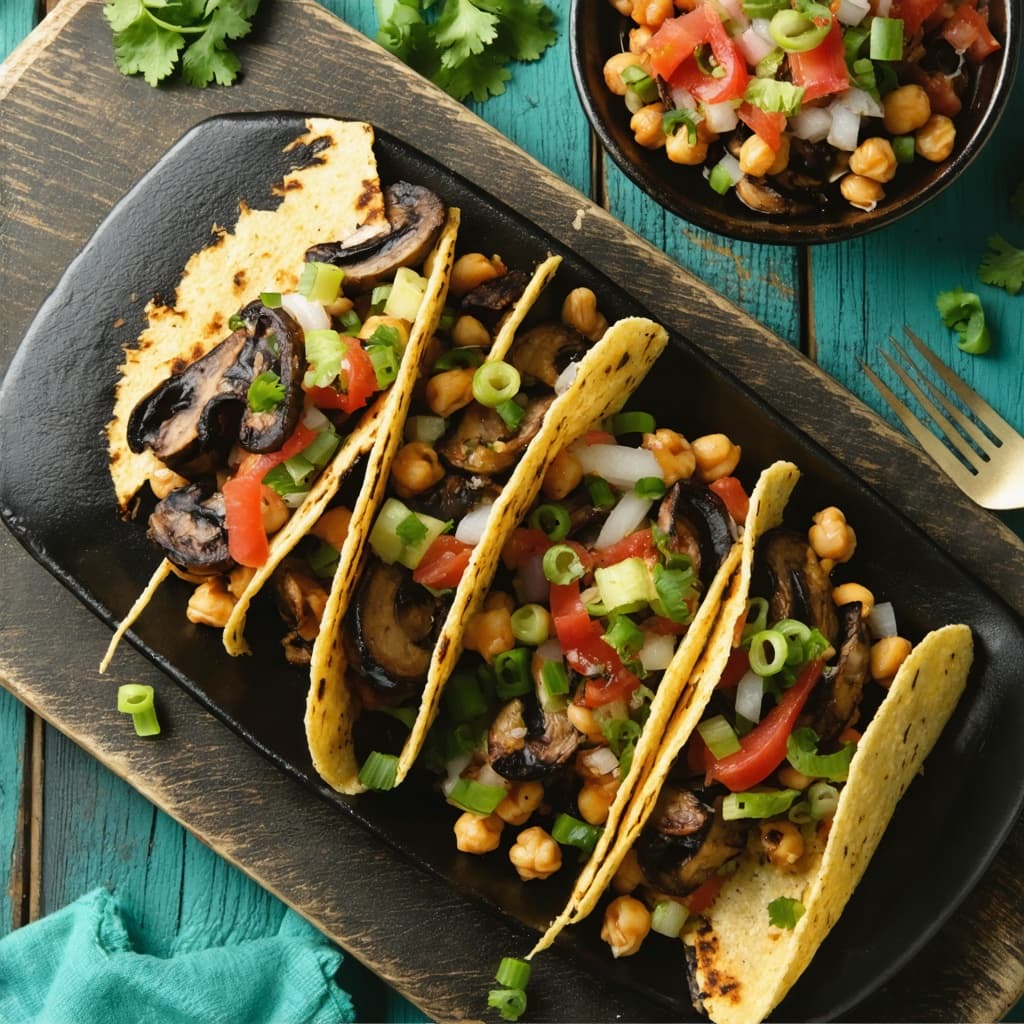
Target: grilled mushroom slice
x=698, y=525
x=526, y=742
x=798, y=585
x=835, y=701
x=300, y=599
x=393, y=629
x=416, y=216
x=489, y=301
x=686, y=841
x=760, y=196
x=189, y=525
x=455, y=495
x=546, y=350
x=482, y=442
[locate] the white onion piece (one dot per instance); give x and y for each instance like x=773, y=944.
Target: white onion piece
x=731, y=166
x=883, y=8
x=656, y=653
x=749, y=693
x=550, y=650
x=600, y=761
x=314, y=418
x=310, y=316
x=721, y=117
x=682, y=99
x=762, y=26
x=565, y=379
x=620, y=465
x=844, y=130
x=532, y=585
x=754, y=46
x=453, y=771
x=882, y=621
x=852, y=12
x=627, y=515
x=294, y=500
x=812, y=124
x=860, y=102
x=487, y=776
x=472, y=525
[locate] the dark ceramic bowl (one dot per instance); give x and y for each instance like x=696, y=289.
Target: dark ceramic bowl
x=597, y=32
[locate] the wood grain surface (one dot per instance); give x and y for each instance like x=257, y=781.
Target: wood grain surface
x=60, y=111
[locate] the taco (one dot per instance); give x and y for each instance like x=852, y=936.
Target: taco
x=478, y=443
x=771, y=789
x=244, y=439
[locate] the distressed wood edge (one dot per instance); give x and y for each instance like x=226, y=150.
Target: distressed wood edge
x=24, y=55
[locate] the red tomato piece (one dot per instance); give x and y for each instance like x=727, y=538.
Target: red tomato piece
x=763, y=748
x=914, y=13
x=443, y=563
x=735, y=669
x=821, y=71
x=360, y=381
x=728, y=488
x=259, y=466
x=769, y=128
x=598, y=437
x=618, y=686
x=634, y=545
x=661, y=626
x=243, y=519
x=704, y=895
x=968, y=30
x=676, y=40
x=727, y=55
x=522, y=545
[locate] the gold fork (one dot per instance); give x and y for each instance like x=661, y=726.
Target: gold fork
x=986, y=464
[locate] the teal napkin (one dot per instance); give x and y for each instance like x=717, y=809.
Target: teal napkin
x=77, y=965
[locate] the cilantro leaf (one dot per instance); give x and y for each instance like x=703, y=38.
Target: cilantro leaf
x=147, y=49
x=266, y=392
x=1002, y=265
x=462, y=31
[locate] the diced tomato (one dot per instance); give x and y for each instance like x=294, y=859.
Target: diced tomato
x=443, y=563
x=735, y=669
x=699, y=758
x=243, y=519
x=619, y=686
x=259, y=466
x=661, y=626
x=704, y=895
x=729, y=58
x=676, y=40
x=942, y=96
x=769, y=128
x=523, y=544
x=729, y=489
x=598, y=437
x=821, y=71
x=763, y=748
x=360, y=381
x=634, y=545
x=967, y=30
x=914, y=13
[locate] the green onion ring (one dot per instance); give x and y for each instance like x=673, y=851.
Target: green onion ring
x=796, y=33
x=495, y=382
x=761, y=664
x=561, y=564
x=552, y=520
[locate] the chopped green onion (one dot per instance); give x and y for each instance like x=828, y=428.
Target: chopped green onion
x=675, y=589
x=625, y=586
x=324, y=353
x=378, y=297
x=384, y=334
x=323, y=560
x=272, y=300
x=531, y=624
x=719, y=736
x=800, y=813
x=802, y=754
x=673, y=120
x=411, y=529
x=823, y=800
x=601, y=494
x=406, y=295
x=379, y=771
x=963, y=312
x=633, y=423
x=903, y=148
x=768, y=66
x=458, y=359
x=570, y=831
x=797, y=33
x=854, y=39
x=512, y=973
x=448, y=317
x=757, y=805
x=512, y=672
x=464, y=698
x=619, y=732
x=391, y=546
x=720, y=179
x=668, y=918
x=863, y=72
x=350, y=322
x=509, y=1002
x=757, y=617
x=763, y=8
x=760, y=661
x=266, y=392
x=283, y=483
x=405, y=715
x=554, y=678
x=236, y=322
x=774, y=97
x=463, y=739
x=137, y=700
x=886, y=39
x=495, y=382
x=552, y=520
x=624, y=636
x=320, y=282
x=561, y=564
x=385, y=364
x=650, y=487
x=673, y=559
x=476, y=797
x=784, y=912
x=511, y=412
x=322, y=447
x=641, y=83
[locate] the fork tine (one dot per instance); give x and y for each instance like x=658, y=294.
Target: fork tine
x=986, y=414
x=928, y=441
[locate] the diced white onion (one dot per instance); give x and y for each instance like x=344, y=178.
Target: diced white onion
x=565, y=379
x=427, y=429
x=882, y=621
x=812, y=124
x=314, y=418
x=600, y=761
x=454, y=769
x=487, y=776
x=731, y=166
x=294, y=500
x=852, y=12
x=550, y=650
x=473, y=524
x=620, y=465
x=749, y=693
x=721, y=117
x=682, y=99
x=860, y=102
x=844, y=129
x=532, y=586
x=656, y=653
x=627, y=515
x=754, y=46
x=310, y=316
x=762, y=26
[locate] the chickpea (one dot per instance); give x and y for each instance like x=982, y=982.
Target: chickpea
x=238, y=579
x=473, y=269
x=680, y=150
x=210, y=604
x=624, y=7
x=595, y=799
x=652, y=12
x=535, y=854
x=416, y=469
x=580, y=310
x=934, y=141
x=468, y=331
x=521, y=800
x=341, y=305
x=450, y=391
x=846, y=593
x=716, y=456
x=874, y=159
x=629, y=875
x=861, y=192
x=782, y=842
x=584, y=721
x=332, y=526
x=906, y=109
x=674, y=453
x=371, y=323
x=781, y=161
x=489, y=633
x=163, y=480
x=790, y=778
x=564, y=475
x=477, y=834
x=831, y=536
x=756, y=156
x=274, y=511
x=887, y=655
x=499, y=599
x=626, y=924
x=639, y=37
x=645, y=125
x=613, y=68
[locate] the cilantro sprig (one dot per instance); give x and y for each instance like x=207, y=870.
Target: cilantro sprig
x=150, y=36
x=464, y=46
x=1002, y=266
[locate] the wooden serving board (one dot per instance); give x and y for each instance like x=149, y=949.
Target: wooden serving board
x=75, y=135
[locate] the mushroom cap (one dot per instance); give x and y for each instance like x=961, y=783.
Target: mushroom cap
x=189, y=525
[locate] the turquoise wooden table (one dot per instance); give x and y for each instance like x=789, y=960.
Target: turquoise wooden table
x=68, y=824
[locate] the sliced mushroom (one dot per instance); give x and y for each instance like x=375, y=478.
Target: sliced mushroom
x=686, y=841
x=301, y=599
x=455, y=495
x=835, y=701
x=189, y=525
x=489, y=301
x=526, y=742
x=543, y=352
x=761, y=197
x=698, y=525
x=482, y=442
x=416, y=216
x=393, y=629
